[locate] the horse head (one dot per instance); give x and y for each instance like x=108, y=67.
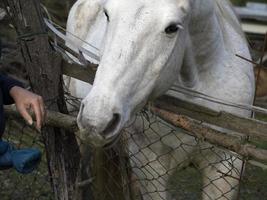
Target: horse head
x=142, y=53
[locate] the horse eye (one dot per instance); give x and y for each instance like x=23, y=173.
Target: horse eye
x=106, y=14
x=173, y=28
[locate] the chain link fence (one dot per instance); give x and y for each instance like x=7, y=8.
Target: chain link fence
x=164, y=164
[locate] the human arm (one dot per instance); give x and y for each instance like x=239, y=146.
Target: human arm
x=6, y=83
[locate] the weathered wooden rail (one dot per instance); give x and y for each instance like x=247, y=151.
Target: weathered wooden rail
x=196, y=128
x=189, y=116
x=182, y=112
x=250, y=127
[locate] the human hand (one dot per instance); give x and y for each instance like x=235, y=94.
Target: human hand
x=25, y=102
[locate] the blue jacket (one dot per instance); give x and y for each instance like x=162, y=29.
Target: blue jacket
x=6, y=83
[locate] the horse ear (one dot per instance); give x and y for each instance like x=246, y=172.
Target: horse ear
x=92, y=32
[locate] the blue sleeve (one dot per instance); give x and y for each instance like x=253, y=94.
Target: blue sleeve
x=6, y=84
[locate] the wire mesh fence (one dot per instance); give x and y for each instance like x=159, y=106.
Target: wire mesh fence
x=164, y=163
x=169, y=164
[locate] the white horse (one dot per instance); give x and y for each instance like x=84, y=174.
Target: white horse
x=146, y=46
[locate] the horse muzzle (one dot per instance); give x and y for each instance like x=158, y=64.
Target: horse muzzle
x=99, y=127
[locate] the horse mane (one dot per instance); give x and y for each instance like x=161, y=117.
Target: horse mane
x=225, y=13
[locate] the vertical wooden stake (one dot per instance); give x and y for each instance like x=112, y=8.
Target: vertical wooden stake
x=44, y=69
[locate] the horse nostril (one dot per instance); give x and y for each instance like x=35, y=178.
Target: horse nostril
x=112, y=125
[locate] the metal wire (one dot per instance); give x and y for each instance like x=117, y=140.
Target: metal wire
x=196, y=94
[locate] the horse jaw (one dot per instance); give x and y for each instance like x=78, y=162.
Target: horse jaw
x=139, y=62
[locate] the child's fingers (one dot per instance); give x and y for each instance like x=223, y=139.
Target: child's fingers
x=25, y=114
x=38, y=114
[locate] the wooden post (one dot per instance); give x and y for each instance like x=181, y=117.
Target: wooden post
x=43, y=67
